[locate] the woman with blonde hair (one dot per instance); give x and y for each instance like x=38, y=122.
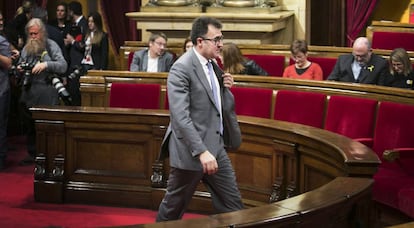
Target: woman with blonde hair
x=235, y=63
x=401, y=73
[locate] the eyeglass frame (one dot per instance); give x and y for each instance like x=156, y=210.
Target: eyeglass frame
x=216, y=40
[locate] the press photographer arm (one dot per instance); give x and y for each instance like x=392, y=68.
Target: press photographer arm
x=5, y=62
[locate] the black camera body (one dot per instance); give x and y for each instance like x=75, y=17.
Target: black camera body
x=27, y=74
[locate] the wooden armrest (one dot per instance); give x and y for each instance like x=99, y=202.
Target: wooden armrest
x=366, y=141
x=396, y=153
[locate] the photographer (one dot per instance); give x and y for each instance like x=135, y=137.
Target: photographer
x=41, y=60
x=5, y=64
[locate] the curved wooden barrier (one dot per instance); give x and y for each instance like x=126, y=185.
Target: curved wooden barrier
x=95, y=87
x=104, y=156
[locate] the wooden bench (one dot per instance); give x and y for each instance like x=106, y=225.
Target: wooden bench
x=325, y=56
x=361, y=123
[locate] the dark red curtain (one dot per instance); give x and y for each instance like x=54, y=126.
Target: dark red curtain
x=119, y=27
x=358, y=13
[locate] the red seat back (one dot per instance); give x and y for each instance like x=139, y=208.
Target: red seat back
x=392, y=40
x=353, y=117
x=326, y=63
x=255, y=102
x=272, y=64
x=394, y=128
x=300, y=107
x=134, y=95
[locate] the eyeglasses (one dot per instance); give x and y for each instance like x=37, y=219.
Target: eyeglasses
x=160, y=44
x=215, y=40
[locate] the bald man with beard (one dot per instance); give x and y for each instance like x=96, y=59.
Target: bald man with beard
x=45, y=59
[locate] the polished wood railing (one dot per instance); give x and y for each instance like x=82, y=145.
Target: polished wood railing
x=95, y=86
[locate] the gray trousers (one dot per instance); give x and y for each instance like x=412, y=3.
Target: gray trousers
x=181, y=185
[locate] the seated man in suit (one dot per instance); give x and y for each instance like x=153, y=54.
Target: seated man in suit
x=154, y=58
x=362, y=66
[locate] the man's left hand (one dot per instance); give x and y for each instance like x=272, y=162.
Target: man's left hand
x=228, y=80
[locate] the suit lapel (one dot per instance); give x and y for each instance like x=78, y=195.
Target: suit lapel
x=348, y=63
x=199, y=72
x=145, y=61
x=160, y=64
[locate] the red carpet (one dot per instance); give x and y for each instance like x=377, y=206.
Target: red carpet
x=18, y=208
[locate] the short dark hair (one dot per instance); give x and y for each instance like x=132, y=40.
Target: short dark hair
x=299, y=46
x=155, y=36
x=200, y=27
x=76, y=7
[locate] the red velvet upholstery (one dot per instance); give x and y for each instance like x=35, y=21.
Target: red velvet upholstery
x=326, y=63
x=391, y=40
x=351, y=116
x=406, y=201
x=134, y=95
x=300, y=107
x=253, y=101
x=387, y=186
x=394, y=129
x=272, y=64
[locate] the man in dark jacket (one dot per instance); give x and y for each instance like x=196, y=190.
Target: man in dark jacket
x=362, y=66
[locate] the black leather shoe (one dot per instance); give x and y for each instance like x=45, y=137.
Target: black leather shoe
x=29, y=160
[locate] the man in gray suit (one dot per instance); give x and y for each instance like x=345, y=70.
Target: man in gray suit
x=201, y=127
x=154, y=58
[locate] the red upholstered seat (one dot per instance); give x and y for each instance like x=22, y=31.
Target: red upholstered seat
x=391, y=40
x=253, y=101
x=394, y=129
x=353, y=117
x=406, y=201
x=272, y=64
x=134, y=95
x=300, y=107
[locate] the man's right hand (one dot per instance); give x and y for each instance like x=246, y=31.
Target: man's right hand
x=209, y=162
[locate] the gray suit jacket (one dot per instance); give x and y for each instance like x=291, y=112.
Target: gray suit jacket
x=194, y=124
x=140, y=61
x=4, y=75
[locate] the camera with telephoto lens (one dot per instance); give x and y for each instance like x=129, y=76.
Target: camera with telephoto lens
x=76, y=73
x=27, y=74
x=63, y=93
